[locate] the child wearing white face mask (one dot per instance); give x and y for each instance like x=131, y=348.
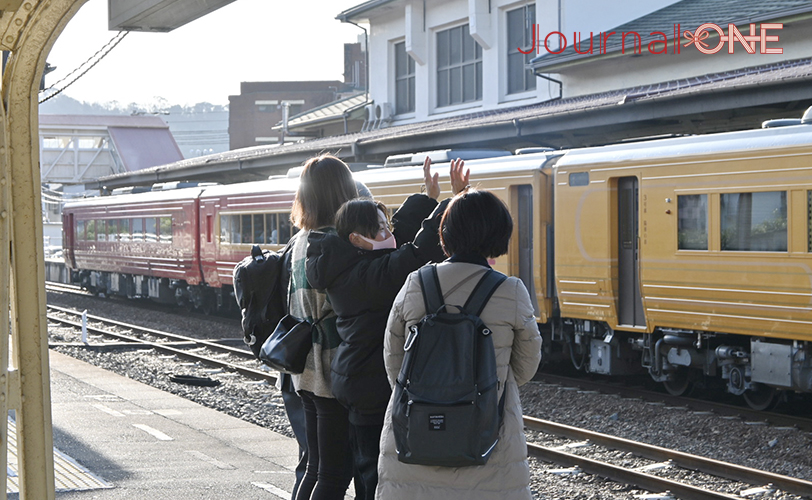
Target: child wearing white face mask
x=362, y=268
x=370, y=226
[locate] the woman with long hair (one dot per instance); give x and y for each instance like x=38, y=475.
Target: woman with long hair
x=324, y=185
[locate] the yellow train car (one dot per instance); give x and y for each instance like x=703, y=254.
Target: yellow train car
x=690, y=256
x=524, y=183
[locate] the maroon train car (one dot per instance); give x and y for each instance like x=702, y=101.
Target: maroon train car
x=175, y=246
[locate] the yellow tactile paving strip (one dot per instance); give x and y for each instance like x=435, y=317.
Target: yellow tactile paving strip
x=68, y=474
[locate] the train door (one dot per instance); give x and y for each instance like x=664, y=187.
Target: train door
x=69, y=240
x=524, y=227
x=630, y=303
x=208, y=242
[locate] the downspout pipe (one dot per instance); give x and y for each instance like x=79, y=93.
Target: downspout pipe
x=560, y=85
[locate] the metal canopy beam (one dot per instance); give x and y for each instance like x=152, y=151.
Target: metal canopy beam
x=158, y=15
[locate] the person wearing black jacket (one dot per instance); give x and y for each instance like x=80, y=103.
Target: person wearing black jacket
x=362, y=269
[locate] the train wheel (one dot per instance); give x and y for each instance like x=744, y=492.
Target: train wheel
x=681, y=384
x=578, y=355
x=207, y=307
x=762, y=397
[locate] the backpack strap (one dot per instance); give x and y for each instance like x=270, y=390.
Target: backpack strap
x=483, y=291
x=430, y=284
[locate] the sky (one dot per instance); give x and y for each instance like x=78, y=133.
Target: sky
x=205, y=60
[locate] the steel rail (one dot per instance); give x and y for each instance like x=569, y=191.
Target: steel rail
x=627, y=476
x=175, y=337
x=685, y=460
x=248, y=372
x=55, y=286
x=693, y=403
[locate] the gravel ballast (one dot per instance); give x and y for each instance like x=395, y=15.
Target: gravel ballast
x=779, y=450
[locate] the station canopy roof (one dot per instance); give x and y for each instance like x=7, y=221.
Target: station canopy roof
x=158, y=15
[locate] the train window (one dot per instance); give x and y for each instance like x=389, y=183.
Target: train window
x=138, y=229
x=692, y=216
x=150, y=234
x=101, y=232
x=80, y=230
x=124, y=229
x=209, y=228
x=579, y=179
x=112, y=230
x=90, y=226
x=272, y=229
x=225, y=229
x=259, y=229
x=234, y=234
x=754, y=222
x=245, y=229
x=284, y=228
x=165, y=225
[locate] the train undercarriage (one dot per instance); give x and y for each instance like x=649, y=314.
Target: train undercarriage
x=202, y=298
x=759, y=369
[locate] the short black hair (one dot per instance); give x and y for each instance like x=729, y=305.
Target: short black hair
x=359, y=215
x=476, y=223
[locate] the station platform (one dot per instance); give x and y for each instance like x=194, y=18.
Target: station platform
x=117, y=439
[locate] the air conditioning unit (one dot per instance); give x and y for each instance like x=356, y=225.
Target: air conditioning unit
x=383, y=112
x=369, y=116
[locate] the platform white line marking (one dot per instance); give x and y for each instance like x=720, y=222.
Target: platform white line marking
x=137, y=412
x=279, y=492
x=153, y=432
x=168, y=413
x=108, y=411
x=210, y=460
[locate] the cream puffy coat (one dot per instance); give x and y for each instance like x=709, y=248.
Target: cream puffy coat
x=509, y=315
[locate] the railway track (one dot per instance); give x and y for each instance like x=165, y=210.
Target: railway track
x=211, y=353
x=663, y=457
x=699, y=405
x=238, y=360
x=54, y=286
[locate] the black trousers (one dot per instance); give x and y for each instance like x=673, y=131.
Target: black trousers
x=365, y=443
x=296, y=416
x=328, y=471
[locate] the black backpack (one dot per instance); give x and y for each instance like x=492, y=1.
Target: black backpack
x=261, y=288
x=446, y=411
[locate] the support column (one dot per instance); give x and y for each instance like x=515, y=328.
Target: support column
x=29, y=33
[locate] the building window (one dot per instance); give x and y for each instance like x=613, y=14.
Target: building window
x=520, y=24
x=692, y=216
x=404, y=80
x=754, y=222
x=459, y=67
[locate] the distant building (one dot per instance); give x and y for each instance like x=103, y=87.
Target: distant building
x=261, y=105
x=343, y=116
x=437, y=59
x=257, y=117
x=199, y=129
x=355, y=64
x=197, y=132
x=78, y=149
x=471, y=74
x=75, y=149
